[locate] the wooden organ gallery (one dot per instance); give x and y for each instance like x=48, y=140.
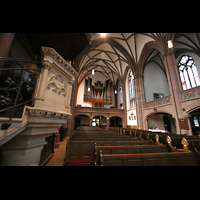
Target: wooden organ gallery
x=99, y=93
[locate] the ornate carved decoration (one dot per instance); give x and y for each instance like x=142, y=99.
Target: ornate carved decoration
x=185, y=144
x=47, y=114
x=193, y=93
x=55, y=56
x=158, y=102
x=157, y=139
x=99, y=110
x=56, y=83
x=168, y=140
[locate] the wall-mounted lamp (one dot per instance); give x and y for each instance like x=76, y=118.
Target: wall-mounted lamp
x=115, y=91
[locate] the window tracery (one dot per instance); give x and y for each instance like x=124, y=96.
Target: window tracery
x=120, y=96
x=131, y=89
x=188, y=72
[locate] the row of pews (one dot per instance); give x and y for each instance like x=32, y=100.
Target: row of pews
x=94, y=146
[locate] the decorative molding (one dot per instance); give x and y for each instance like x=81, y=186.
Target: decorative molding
x=57, y=82
x=158, y=102
x=59, y=59
x=47, y=114
x=193, y=93
x=98, y=110
x=46, y=64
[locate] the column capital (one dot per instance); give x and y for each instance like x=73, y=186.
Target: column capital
x=47, y=64
x=71, y=83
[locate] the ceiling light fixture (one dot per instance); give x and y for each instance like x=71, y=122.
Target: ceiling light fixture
x=170, y=44
x=103, y=34
x=93, y=72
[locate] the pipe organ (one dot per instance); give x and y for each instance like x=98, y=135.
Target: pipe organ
x=99, y=93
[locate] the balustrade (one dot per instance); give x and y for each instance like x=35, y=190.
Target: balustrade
x=99, y=110
x=158, y=102
x=193, y=93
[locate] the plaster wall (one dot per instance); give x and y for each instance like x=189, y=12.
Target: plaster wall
x=155, y=81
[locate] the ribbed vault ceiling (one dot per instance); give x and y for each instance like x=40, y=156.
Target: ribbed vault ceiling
x=112, y=58
x=112, y=54
x=187, y=42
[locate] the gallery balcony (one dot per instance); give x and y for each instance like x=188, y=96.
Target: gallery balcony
x=164, y=101
x=98, y=110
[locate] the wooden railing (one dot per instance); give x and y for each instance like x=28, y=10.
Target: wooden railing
x=99, y=110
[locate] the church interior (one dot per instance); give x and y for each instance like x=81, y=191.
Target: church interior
x=99, y=99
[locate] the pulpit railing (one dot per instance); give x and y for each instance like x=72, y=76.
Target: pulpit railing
x=18, y=79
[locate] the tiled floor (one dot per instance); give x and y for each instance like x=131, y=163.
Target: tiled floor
x=59, y=155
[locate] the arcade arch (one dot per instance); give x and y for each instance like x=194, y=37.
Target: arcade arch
x=162, y=121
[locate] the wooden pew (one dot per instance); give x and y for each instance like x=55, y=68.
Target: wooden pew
x=194, y=141
x=194, y=144
x=150, y=159
x=102, y=139
x=128, y=149
x=83, y=151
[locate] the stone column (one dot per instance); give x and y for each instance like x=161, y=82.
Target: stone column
x=139, y=100
x=91, y=121
x=172, y=76
x=70, y=122
x=69, y=93
x=41, y=85
x=44, y=74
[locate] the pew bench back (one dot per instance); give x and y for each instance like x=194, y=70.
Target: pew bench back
x=85, y=149
x=128, y=149
x=149, y=159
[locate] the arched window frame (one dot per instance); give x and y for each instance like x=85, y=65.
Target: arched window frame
x=131, y=89
x=120, y=96
x=188, y=72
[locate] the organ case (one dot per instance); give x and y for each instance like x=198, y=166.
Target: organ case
x=99, y=93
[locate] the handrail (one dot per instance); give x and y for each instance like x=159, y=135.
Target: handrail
x=11, y=93
x=10, y=59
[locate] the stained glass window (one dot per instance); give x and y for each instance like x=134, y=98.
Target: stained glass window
x=188, y=72
x=131, y=89
x=120, y=96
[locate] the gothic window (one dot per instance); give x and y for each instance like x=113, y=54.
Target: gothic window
x=196, y=120
x=188, y=72
x=120, y=96
x=131, y=89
